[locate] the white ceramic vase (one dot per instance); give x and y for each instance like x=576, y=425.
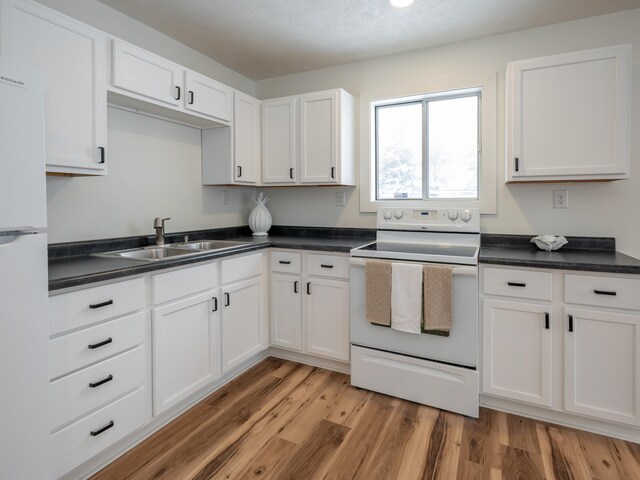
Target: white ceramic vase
x=260, y=218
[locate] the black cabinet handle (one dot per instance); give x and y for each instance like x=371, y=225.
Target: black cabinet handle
x=291, y=173
x=517, y=164
x=308, y=288
x=215, y=304
x=178, y=90
x=605, y=292
x=101, y=154
x=101, y=382
x=295, y=286
x=571, y=323
x=227, y=299
x=516, y=284
x=324, y=265
x=190, y=97
x=100, y=344
x=333, y=172
x=546, y=320
x=285, y=262
x=93, y=306
x=95, y=433
x=239, y=171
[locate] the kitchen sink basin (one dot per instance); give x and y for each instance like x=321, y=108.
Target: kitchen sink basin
x=174, y=250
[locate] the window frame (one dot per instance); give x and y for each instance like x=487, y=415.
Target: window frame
x=487, y=129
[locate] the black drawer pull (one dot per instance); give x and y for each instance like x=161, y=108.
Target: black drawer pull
x=101, y=154
x=178, y=89
x=546, y=320
x=308, y=288
x=93, y=306
x=295, y=286
x=100, y=344
x=227, y=299
x=239, y=171
x=516, y=284
x=291, y=173
x=95, y=433
x=101, y=382
x=571, y=323
x=324, y=265
x=285, y=262
x=215, y=304
x=190, y=97
x=517, y=164
x=605, y=292
x=333, y=172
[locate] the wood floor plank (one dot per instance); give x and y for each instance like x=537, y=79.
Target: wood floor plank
x=283, y=420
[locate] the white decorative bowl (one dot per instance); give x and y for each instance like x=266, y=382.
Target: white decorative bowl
x=549, y=242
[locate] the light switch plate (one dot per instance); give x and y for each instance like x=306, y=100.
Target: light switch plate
x=340, y=199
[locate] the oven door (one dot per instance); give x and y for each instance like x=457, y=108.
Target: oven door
x=459, y=348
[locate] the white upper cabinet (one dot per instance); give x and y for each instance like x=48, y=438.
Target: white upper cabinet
x=71, y=59
x=568, y=116
x=138, y=71
x=309, y=139
x=279, y=142
x=144, y=81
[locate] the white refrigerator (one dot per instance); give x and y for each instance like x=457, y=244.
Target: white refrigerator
x=24, y=386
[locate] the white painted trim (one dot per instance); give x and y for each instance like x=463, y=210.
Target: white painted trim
x=489, y=132
x=334, y=365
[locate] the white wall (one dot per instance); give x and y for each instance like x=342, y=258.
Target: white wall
x=601, y=209
x=154, y=171
x=115, y=23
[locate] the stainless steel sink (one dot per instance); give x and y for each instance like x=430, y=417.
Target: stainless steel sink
x=174, y=250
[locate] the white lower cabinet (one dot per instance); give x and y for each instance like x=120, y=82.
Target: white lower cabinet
x=602, y=378
x=591, y=354
x=517, y=351
x=186, y=347
x=310, y=303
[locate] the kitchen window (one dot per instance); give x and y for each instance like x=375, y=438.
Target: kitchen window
x=437, y=147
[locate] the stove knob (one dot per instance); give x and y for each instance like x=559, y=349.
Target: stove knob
x=453, y=215
x=398, y=214
x=465, y=216
x=387, y=215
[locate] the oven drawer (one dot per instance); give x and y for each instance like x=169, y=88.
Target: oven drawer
x=612, y=292
x=328, y=266
x=517, y=283
x=286, y=262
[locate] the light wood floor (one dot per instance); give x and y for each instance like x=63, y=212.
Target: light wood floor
x=283, y=420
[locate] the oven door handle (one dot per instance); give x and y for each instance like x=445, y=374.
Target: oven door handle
x=458, y=270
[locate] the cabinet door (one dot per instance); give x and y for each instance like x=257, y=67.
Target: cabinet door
x=318, y=137
x=146, y=74
x=279, y=140
x=601, y=365
x=71, y=58
x=327, y=318
x=206, y=96
x=517, y=351
x=286, y=311
x=186, y=348
x=246, y=138
x=241, y=322
x=567, y=116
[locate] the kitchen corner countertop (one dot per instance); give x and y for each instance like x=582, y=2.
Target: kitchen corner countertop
x=74, y=264
x=581, y=253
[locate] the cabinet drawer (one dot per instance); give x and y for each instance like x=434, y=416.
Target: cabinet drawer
x=72, y=396
x=286, y=262
x=75, y=444
x=180, y=283
x=517, y=283
x=77, y=350
x=241, y=267
x=602, y=291
x=328, y=265
x=84, y=307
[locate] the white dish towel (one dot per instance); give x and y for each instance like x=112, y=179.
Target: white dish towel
x=406, y=297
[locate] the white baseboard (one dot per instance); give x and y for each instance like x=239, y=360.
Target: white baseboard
x=335, y=365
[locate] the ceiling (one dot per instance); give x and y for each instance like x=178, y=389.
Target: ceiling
x=269, y=38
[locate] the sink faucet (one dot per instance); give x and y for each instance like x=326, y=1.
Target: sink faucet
x=158, y=224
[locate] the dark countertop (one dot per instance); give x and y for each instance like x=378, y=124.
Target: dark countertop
x=75, y=264
x=581, y=253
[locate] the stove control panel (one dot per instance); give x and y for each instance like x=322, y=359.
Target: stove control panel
x=430, y=219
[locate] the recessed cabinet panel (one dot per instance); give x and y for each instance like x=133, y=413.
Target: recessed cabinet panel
x=206, y=96
x=286, y=311
x=246, y=138
x=279, y=145
x=568, y=116
x=318, y=142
